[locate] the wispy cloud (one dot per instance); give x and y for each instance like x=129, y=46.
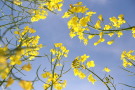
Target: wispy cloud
x=100, y=1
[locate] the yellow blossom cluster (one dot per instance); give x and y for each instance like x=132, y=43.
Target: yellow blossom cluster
x=79, y=63
x=81, y=24
x=26, y=50
x=30, y=44
x=41, y=12
x=38, y=14
x=127, y=58
x=78, y=8
x=59, y=51
x=53, y=76
x=43, y=6
x=79, y=73
x=109, y=29
x=6, y=66
x=27, y=67
x=78, y=25
x=53, y=79
x=117, y=22
x=54, y=5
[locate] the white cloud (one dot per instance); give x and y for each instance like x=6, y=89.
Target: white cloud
x=115, y=50
x=100, y=1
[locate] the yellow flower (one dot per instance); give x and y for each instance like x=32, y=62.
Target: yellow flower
x=4, y=74
x=15, y=59
x=96, y=43
x=123, y=55
x=118, y=22
x=73, y=22
x=60, y=85
x=106, y=69
x=121, y=21
x=133, y=35
x=78, y=9
x=127, y=55
x=85, y=41
x=27, y=67
x=64, y=83
x=90, y=13
x=100, y=17
x=121, y=16
x=63, y=48
x=16, y=32
x=90, y=64
x=38, y=14
x=66, y=15
x=133, y=30
x=119, y=33
x=10, y=81
x=113, y=19
x=91, y=79
x=110, y=34
x=2, y=59
x=107, y=27
x=54, y=5
x=84, y=20
x=97, y=25
x=76, y=72
x=46, y=86
x=90, y=36
x=53, y=51
x=81, y=75
x=26, y=85
x=58, y=44
x=28, y=29
x=101, y=34
x=78, y=4
x=58, y=64
x=126, y=63
x=76, y=63
x=46, y=75
x=72, y=34
x=17, y=2
x=84, y=58
x=101, y=40
x=110, y=42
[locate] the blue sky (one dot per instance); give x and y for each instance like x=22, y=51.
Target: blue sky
x=54, y=30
